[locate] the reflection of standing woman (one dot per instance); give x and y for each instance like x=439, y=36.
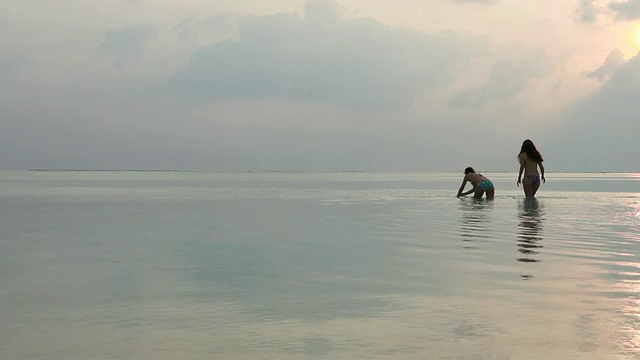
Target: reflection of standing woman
x=530, y=160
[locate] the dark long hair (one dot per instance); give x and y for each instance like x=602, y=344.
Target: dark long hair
x=530, y=149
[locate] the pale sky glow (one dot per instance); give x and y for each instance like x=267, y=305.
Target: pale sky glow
x=319, y=84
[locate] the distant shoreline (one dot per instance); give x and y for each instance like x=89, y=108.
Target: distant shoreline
x=299, y=171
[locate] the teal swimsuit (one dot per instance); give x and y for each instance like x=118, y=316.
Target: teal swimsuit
x=485, y=185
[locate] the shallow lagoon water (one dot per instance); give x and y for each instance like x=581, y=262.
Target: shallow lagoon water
x=191, y=265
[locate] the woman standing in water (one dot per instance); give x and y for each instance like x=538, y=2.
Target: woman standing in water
x=530, y=160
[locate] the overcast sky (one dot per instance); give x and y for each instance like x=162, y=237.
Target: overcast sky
x=319, y=84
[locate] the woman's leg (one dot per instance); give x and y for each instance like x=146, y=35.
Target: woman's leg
x=535, y=186
x=528, y=188
x=490, y=193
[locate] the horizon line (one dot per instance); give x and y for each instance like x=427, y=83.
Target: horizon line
x=292, y=171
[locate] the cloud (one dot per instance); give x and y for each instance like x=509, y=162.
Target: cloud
x=319, y=89
x=614, y=61
x=8, y=63
x=600, y=131
x=129, y=39
x=323, y=58
x=4, y=17
x=627, y=10
x=587, y=11
x=321, y=11
x=208, y=28
x=486, y=2
x=506, y=80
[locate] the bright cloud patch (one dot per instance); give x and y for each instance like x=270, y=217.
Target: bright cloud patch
x=602, y=128
x=613, y=62
x=505, y=81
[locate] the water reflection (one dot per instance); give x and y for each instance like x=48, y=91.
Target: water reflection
x=475, y=220
x=530, y=218
x=628, y=337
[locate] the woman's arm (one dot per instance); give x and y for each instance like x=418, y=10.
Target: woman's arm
x=542, y=172
x=468, y=192
x=464, y=182
x=522, y=160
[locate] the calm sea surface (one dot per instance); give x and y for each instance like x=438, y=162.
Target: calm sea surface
x=188, y=265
